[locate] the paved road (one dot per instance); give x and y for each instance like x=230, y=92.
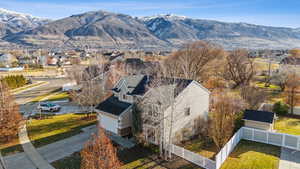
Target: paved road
x=21, y=160
x=289, y=159
x=54, y=83
x=66, y=107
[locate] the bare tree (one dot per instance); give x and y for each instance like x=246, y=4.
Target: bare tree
x=292, y=90
x=92, y=80
x=10, y=117
x=194, y=60
x=223, y=112
x=280, y=78
x=253, y=96
x=99, y=153
x=238, y=68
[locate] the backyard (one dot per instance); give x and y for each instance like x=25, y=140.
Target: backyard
x=253, y=155
x=139, y=157
x=287, y=125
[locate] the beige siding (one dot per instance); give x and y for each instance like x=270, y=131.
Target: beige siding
x=194, y=97
x=258, y=125
x=125, y=119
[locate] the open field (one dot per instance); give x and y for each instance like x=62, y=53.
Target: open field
x=288, y=125
x=252, y=155
x=262, y=64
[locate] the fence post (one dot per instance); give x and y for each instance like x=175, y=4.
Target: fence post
x=283, y=140
x=252, y=137
x=268, y=137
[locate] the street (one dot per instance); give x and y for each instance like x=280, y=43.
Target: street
x=54, y=83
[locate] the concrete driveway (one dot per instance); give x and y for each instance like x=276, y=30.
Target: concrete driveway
x=289, y=159
x=66, y=107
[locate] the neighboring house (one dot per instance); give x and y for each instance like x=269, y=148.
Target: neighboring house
x=263, y=120
x=138, y=66
x=7, y=59
x=26, y=60
x=116, y=114
x=290, y=61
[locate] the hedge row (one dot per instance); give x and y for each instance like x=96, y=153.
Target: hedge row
x=14, y=81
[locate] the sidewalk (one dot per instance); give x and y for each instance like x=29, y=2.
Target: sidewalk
x=289, y=159
x=55, y=151
x=31, y=152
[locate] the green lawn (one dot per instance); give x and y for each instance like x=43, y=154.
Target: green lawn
x=253, y=155
x=71, y=162
x=139, y=157
x=288, y=125
x=47, y=131
x=58, y=96
x=271, y=87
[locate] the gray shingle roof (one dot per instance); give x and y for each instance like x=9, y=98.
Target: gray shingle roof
x=113, y=106
x=261, y=116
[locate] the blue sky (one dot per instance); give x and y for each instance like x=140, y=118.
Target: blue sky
x=284, y=13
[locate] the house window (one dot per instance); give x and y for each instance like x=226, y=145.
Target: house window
x=124, y=97
x=187, y=111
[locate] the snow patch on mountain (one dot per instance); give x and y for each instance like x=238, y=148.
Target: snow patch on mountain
x=170, y=17
x=16, y=19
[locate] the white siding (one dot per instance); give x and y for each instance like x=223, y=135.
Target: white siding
x=194, y=97
x=109, y=123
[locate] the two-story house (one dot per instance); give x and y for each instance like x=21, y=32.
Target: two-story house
x=115, y=113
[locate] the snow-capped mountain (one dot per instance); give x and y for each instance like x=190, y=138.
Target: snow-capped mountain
x=179, y=30
x=101, y=29
x=12, y=22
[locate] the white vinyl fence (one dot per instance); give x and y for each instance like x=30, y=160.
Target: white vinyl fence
x=262, y=136
x=193, y=157
x=228, y=148
x=278, y=139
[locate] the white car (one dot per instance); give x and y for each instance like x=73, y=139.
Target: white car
x=48, y=107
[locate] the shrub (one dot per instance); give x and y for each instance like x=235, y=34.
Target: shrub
x=280, y=108
x=14, y=81
x=239, y=122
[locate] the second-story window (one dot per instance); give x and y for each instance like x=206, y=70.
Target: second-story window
x=187, y=111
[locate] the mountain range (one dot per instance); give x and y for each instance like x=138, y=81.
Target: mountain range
x=101, y=29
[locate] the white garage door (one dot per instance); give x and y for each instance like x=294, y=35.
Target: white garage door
x=109, y=123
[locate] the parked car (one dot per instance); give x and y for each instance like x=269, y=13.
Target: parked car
x=49, y=107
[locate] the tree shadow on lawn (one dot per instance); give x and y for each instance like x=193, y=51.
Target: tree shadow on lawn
x=148, y=158
x=245, y=146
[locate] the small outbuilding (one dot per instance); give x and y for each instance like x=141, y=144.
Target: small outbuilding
x=263, y=120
